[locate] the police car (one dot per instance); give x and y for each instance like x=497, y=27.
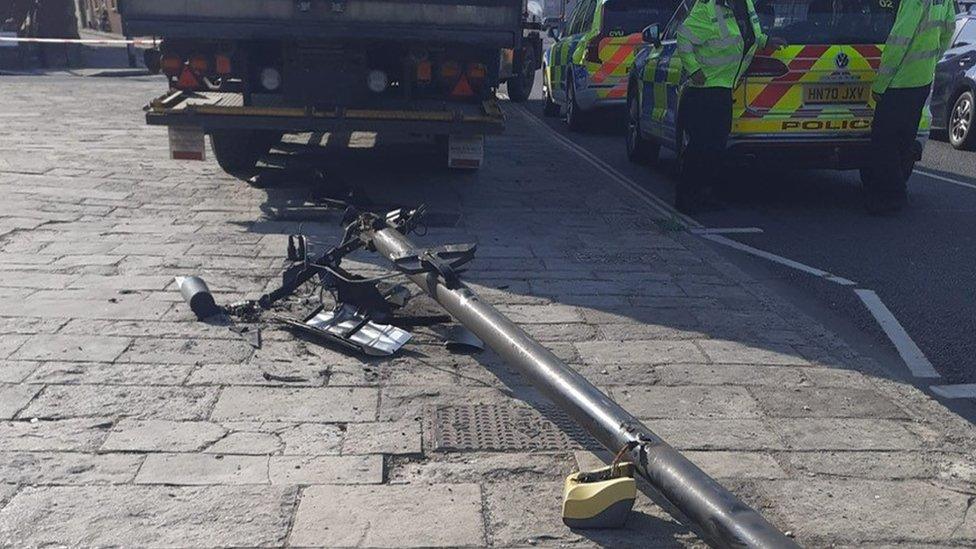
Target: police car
x=586, y=68
x=806, y=105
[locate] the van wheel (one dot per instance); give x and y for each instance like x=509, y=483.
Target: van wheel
x=550, y=108
x=639, y=150
x=238, y=151
x=961, y=119
x=575, y=118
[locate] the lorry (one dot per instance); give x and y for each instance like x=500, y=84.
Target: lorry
x=246, y=72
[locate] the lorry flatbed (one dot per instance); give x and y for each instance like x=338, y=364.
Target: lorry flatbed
x=222, y=110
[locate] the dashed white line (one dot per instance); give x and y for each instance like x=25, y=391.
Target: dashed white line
x=946, y=179
x=914, y=358
x=820, y=273
x=962, y=390
x=646, y=196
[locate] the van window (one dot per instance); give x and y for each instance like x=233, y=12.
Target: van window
x=625, y=17
x=828, y=21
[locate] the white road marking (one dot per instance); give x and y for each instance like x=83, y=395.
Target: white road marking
x=627, y=183
x=963, y=390
x=728, y=230
x=946, y=179
x=913, y=356
x=830, y=277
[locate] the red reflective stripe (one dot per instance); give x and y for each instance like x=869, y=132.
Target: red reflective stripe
x=871, y=53
x=623, y=51
x=772, y=93
x=620, y=90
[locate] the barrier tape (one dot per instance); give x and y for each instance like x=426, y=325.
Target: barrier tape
x=102, y=41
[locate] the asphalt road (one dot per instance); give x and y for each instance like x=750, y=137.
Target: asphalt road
x=920, y=262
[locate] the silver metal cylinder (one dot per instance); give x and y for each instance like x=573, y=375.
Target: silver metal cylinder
x=725, y=520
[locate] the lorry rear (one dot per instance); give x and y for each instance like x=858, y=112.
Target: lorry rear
x=247, y=71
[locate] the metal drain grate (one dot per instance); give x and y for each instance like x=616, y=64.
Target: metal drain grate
x=486, y=427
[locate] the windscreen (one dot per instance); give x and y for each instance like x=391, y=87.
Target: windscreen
x=624, y=17
x=828, y=21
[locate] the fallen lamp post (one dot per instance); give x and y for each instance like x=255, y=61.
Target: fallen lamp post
x=725, y=520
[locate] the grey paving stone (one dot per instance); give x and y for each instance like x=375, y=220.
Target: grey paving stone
x=326, y=404
x=846, y=434
x=327, y=469
x=247, y=443
x=10, y=343
x=85, y=309
x=67, y=468
x=734, y=352
x=524, y=514
x=409, y=402
x=15, y=371
x=98, y=373
x=436, y=515
x=826, y=511
x=13, y=398
x=157, y=435
x=312, y=439
x=67, y=401
x=481, y=467
x=717, y=434
x=186, y=351
x=203, y=469
x=70, y=435
x=683, y=402
x=818, y=402
x=652, y=352
x=882, y=465
x=73, y=348
x=784, y=377
x=166, y=516
x=7, y=492
x=393, y=437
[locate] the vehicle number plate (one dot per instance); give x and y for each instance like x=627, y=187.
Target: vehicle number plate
x=835, y=94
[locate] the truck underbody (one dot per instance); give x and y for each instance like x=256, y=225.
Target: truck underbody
x=268, y=67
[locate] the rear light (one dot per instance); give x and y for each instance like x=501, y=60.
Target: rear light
x=222, y=65
x=171, y=65
x=450, y=70
x=477, y=72
x=424, y=72
x=462, y=88
x=187, y=80
x=200, y=64
x=593, y=50
x=767, y=66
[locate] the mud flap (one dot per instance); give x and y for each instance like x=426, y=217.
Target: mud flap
x=187, y=143
x=465, y=152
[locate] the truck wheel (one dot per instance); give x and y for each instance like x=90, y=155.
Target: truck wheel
x=520, y=85
x=239, y=150
x=639, y=150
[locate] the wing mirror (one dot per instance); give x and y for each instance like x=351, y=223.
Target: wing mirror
x=553, y=27
x=652, y=35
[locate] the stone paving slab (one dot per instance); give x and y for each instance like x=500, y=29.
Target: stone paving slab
x=125, y=422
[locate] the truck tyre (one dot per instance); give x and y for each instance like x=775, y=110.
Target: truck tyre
x=239, y=150
x=520, y=85
x=639, y=149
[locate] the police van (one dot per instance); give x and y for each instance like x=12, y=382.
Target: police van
x=806, y=105
x=587, y=66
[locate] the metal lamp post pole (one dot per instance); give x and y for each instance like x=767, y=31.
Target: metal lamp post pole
x=726, y=520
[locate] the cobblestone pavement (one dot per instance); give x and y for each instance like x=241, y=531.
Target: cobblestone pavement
x=123, y=421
